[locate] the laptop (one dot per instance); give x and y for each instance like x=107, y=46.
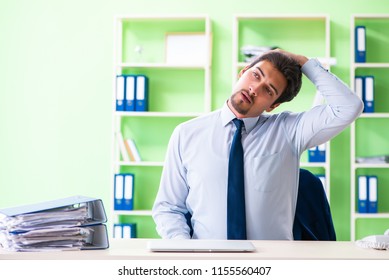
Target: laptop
x=199, y=245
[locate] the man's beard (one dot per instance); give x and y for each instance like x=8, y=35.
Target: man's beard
x=236, y=104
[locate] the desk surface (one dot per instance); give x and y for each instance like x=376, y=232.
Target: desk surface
x=136, y=249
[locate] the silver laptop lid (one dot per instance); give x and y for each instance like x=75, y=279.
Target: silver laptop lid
x=199, y=245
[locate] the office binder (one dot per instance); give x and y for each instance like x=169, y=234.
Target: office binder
x=73, y=223
x=317, y=154
x=360, y=44
x=119, y=191
x=130, y=93
x=142, y=94
x=128, y=191
x=368, y=98
x=124, y=191
x=321, y=150
x=372, y=202
x=359, y=86
x=362, y=194
x=120, y=92
x=127, y=230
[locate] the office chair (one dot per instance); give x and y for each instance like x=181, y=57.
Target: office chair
x=313, y=219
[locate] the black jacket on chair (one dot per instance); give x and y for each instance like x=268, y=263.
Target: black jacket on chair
x=313, y=220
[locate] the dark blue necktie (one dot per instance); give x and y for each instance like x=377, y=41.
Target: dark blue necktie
x=236, y=214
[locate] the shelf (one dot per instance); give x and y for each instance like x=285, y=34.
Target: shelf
x=377, y=65
x=370, y=65
x=374, y=115
x=158, y=114
x=140, y=163
x=134, y=213
x=371, y=215
x=177, y=91
x=313, y=164
x=371, y=165
x=163, y=65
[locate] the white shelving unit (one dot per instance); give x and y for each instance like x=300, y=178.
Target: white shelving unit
x=268, y=21
x=354, y=215
x=125, y=62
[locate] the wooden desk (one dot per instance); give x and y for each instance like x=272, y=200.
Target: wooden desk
x=135, y=249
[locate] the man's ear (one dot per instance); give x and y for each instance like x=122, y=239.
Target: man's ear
x=243, y=70
x=272, y=107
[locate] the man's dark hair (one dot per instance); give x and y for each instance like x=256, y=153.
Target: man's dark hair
x=289, y=68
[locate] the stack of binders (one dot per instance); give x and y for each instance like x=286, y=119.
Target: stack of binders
x=74, y=223
x=124, y=191
x=317, y=154
x=367, y=194
x=364, y=88
x=124, y=230
x=132, y=93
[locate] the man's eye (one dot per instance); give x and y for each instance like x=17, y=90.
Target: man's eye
x=256, y=75
x=269, y=91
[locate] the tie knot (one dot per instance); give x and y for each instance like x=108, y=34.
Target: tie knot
x=238, y=123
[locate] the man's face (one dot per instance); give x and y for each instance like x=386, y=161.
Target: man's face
x=256, y=90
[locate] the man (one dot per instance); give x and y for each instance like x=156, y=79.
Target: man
x=195, y=175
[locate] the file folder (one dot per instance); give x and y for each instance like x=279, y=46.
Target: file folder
x=368, y=99
x=141, y=93
x=372, y=204
x=73, y=223
x=120, y=92
x=362, y=194
x=360, y=44
x=130, y=93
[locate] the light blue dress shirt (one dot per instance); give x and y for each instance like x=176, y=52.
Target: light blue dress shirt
x=194, y=177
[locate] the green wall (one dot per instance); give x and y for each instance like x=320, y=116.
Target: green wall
x=56, y=63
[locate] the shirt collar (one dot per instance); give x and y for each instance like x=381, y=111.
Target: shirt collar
x=227, y=116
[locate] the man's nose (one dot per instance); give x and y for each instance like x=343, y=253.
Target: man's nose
x=254, y=89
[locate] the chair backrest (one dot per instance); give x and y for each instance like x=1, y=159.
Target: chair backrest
x=313, y=219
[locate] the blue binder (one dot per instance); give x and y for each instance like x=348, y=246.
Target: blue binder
x=119, y=192
x=360, y=44
x=142, y=93
x=368, y=94
x=373, y=194
x=317, y=154
x=362, y=194
x=128, y=191
x=120, y=92
x=130, y=93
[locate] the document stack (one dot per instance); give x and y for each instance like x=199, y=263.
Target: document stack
x=74, y=223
